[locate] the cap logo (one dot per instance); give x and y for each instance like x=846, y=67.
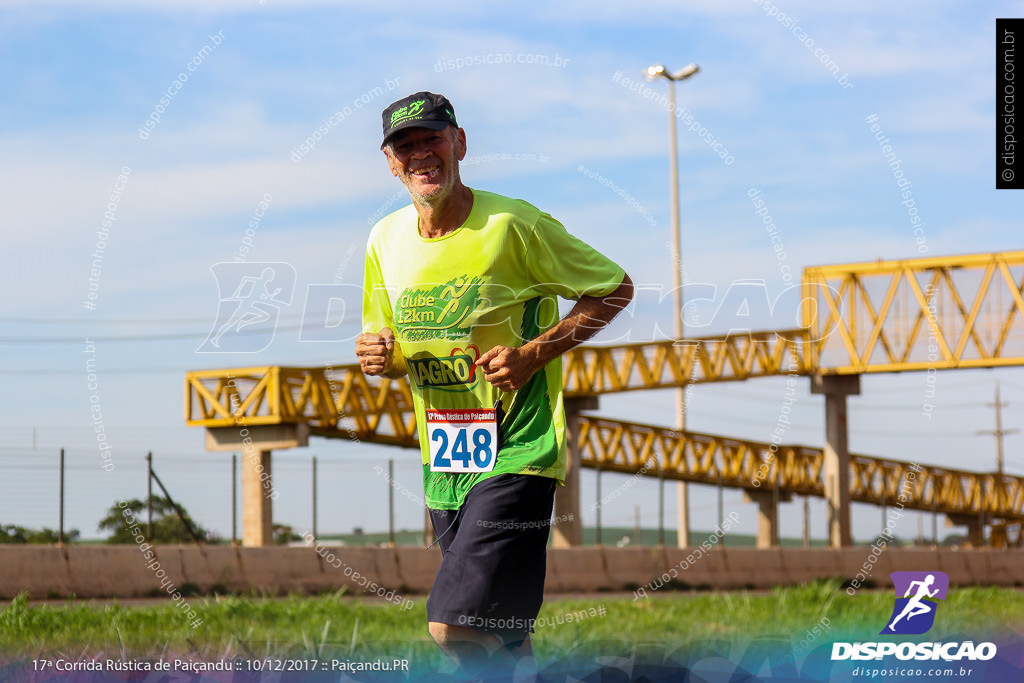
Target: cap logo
x=412, y=110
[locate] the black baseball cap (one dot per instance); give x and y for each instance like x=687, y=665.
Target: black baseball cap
x=422, y=109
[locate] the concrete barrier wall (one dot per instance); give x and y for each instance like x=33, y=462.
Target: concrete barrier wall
x=123, y=571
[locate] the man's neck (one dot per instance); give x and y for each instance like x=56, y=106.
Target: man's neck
x=446, y=217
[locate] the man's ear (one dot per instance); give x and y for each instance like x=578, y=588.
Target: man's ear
x=391, y=162
x=460, y=141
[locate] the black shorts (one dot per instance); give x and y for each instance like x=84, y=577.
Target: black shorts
x=494, y=556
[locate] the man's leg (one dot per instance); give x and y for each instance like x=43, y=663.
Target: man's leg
x=471, y=649
x=491, y=581
x=521, y=650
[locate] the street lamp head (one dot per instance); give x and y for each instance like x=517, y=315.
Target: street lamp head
x=655, y=71
x=659, y=70
x=685, y=72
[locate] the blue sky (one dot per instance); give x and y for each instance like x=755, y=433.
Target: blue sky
x=546, y=124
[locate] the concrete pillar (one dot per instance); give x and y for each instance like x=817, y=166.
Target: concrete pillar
x=836, y=468
x=807, y=523
x=257, y=506
x=682, y=510
x=975, y=528
x=255, y=444
x=767, y=515
x=568, y=531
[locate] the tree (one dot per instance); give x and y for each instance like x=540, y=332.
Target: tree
x=285, y=534
x=954, y=540
x=891, y=541
x=9, y=533
x=167, y=527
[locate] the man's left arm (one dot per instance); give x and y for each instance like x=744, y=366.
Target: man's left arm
x=510, y=367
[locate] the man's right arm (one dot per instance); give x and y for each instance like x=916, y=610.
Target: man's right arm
x=376, y=354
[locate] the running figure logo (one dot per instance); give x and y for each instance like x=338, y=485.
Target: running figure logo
x=914, y=613
x=251, y=296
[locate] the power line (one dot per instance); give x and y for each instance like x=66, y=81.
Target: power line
x=93, y=322
x=156, y=337
x=39, y=372
x=911, y=435
x=854, y=406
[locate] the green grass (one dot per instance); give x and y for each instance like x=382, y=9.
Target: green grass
x=609, y=537
x=328, y=625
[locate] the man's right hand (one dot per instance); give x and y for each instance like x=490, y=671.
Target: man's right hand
x=376, y=352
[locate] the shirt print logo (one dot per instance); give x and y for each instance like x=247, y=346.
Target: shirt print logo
x=437, y=312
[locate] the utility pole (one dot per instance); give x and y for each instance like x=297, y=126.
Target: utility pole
x=999, y=432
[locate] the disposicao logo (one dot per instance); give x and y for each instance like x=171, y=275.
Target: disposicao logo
x=917, y=596
x=914, y=612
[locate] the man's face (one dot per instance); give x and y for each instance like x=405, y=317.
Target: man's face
x=427, y=161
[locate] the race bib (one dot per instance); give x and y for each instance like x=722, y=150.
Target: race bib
x=462, y=440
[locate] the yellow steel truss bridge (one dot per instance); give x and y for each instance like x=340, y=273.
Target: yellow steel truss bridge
x=925, y=314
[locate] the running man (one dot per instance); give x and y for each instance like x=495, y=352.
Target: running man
x=251, y=308
x=460, y=293
x=915, y=605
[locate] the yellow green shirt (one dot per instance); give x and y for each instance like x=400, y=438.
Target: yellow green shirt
x=493, y=281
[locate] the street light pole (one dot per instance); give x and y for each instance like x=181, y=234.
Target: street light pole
x=682, y=491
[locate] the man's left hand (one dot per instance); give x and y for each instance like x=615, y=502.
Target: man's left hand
x=508, y=367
